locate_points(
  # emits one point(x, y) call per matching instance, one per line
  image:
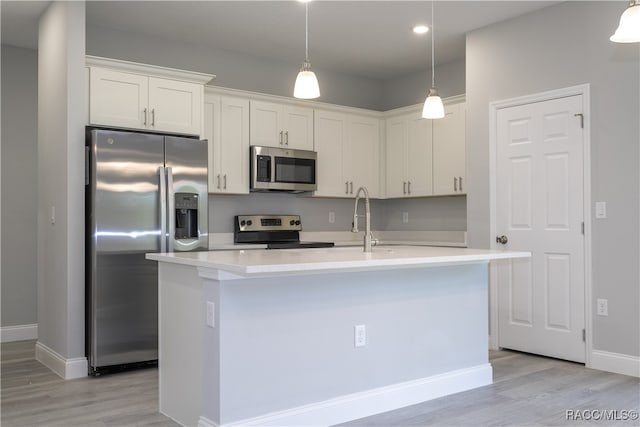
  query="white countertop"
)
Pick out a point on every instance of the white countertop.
point(257, 263)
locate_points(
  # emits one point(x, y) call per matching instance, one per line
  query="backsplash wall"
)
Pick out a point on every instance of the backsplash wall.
point(428, 214)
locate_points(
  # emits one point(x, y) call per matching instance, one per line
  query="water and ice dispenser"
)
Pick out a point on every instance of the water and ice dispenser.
point(186, 205)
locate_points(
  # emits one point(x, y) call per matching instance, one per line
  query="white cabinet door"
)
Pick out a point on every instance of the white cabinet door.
point(175, 106)
point(419, 156)
point(449, 136)
point(118, 99)
point(211, 134)
point(330, 135)
point(227, 129)
point(266, 124)
point(279, 125)
point(362, 154)
point(396, 157)
point(298, 127)
point(234, 144)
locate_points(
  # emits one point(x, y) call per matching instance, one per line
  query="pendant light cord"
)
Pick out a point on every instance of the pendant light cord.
point(433, 55)
point(306, 32)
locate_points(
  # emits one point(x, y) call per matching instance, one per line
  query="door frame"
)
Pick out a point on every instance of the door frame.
point(494, 107)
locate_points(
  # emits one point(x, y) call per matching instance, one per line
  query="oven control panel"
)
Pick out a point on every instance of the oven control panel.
point(245, 223)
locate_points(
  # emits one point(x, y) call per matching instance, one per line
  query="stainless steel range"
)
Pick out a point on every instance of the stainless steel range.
point(277, 231)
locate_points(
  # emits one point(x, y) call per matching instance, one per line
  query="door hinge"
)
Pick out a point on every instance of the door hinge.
point(584, 335)
point(581, 119)
point(583, 227)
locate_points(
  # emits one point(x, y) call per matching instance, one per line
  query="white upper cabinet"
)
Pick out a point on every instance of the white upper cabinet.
point(118, 99)
point(348, 154)
point(449, 137)
point(175, 106)
point(136, 96)
point(409, 155)
point(426, 157)
point(275, 124)
point(362, 155)
point(226, 126)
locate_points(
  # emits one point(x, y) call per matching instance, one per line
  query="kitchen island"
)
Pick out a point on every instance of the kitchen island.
point(319, 336)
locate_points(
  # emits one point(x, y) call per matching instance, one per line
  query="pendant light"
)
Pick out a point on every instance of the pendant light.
point(629, 29)
point(306, 86)
point(433, 108)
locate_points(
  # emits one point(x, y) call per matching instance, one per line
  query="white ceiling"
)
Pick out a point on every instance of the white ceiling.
point(365, 38)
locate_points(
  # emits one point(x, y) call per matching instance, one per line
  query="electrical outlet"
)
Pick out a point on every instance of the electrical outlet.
point(602, 307)
point(211, 310)
point(405, 217)
point(332, 217)
point(359, 335)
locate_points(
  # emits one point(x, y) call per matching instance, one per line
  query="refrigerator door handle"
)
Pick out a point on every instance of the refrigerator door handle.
point(171, 210)
point(163, 209)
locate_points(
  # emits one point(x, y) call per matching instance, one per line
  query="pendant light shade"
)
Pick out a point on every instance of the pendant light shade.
point(433, 107)
point(306, 86)
point(629, 29)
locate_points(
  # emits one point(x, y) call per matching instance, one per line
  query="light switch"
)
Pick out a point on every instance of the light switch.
point(601, 210)
point(211, 309)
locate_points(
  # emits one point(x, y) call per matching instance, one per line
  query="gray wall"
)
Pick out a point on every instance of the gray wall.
point(560, 46)
point(413, 89)
point(61, 121)
point(19, 185)
point(232, 70)
point(429, 214)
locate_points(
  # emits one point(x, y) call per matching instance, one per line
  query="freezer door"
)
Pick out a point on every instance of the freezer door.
point(186, 165)
point(123, 219)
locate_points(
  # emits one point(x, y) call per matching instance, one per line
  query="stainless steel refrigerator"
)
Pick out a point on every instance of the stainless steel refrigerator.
point(144, 193)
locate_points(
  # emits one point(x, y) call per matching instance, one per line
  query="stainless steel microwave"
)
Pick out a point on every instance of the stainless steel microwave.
point(282, 169)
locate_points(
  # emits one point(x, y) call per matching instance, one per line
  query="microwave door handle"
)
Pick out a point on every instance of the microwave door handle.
point(162, 207)
point(171, 209)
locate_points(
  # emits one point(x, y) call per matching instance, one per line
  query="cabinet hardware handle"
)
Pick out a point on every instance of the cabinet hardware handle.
point(460, 181)
point(145, 116)
point(404, 187)
point(351, 184)
point(218, 181)
point(153, 117)
point(286, 137)
point(409, 187)
point(281, 137)
point(502, 240)
point(455, 183)
point(346, 187)
point(225, 181)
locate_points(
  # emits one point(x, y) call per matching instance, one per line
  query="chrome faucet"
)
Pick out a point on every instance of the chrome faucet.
point(354, 229)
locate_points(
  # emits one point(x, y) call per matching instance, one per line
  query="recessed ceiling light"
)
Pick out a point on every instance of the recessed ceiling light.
point(304, 1)
point(420, 29)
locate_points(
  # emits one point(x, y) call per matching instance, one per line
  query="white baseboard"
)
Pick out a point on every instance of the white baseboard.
point(68, 369)
point(19, 333)
point(615, 362)
point(363, 404)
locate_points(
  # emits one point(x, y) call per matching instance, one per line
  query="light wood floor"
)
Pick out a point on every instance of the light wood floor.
point(527, 390)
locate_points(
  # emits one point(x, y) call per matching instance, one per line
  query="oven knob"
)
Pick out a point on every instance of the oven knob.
point(298, 222)
point(249, 222)
point(243, 223)
point(292, 222)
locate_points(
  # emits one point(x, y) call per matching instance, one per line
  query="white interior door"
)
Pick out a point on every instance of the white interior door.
point(539, 208)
